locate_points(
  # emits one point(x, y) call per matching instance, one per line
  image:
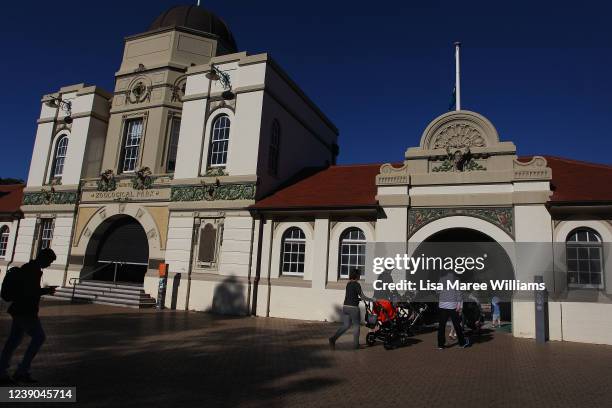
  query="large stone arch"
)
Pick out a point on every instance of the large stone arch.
point(155, 233)
point(463, 241)
point(465, 222)
point(118, 250)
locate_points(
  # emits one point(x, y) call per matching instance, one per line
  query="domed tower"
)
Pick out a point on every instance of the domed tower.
point(150, 85)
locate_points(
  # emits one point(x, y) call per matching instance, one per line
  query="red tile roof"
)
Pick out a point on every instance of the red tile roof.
point(578, 181)
point(10, 198)
point(333, 187)
point(354, 186)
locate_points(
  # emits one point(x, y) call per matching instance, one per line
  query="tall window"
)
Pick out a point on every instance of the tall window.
point(46, 233)
point(61, 147)
point(131, 144)
point(175, 127)
point(219, 141)
point(293, 252)
point(209, 240)
point(4, 237)
point(274, 149)
point(352, 251)
point(584, 258)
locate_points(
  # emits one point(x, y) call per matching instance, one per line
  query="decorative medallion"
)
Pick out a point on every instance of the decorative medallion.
point(213, 192)
point(139, 92)
point(458, 136)
point(178, 90)
point(107, 181)
point(503, 217)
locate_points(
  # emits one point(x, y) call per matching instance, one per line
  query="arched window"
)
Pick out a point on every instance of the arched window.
point(352, 251)
point(4, 237)
point(274, 150)
point(61, 147)
point(219, 141)
point(584, 258)
point(293, 252)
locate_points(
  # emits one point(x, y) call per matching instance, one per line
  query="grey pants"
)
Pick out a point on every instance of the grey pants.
point(350, 317)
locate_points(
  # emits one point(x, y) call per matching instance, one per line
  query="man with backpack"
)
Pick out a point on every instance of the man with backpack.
point(21, 286)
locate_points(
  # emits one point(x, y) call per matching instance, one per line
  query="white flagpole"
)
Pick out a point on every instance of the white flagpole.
point(457, 77)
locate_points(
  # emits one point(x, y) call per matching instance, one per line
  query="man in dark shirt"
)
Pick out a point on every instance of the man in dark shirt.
point(24, 310)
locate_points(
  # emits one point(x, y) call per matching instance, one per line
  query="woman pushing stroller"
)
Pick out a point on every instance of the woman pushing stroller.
point(351, 315)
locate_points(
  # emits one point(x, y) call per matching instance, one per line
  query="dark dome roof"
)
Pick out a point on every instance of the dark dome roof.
point(196, 18)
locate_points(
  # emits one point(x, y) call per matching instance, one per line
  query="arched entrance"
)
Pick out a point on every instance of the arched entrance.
point(118, 250)
point(469, 243)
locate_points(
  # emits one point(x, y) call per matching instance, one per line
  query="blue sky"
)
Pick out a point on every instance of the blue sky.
point(541, 71)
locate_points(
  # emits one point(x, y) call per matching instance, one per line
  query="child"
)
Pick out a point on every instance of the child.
point(495, 311)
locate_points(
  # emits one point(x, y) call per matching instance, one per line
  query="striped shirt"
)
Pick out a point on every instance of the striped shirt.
point(449, 298)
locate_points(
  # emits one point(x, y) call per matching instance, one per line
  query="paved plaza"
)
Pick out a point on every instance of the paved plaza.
point(119, 357)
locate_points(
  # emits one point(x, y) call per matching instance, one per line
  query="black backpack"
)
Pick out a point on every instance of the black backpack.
point(11, 285)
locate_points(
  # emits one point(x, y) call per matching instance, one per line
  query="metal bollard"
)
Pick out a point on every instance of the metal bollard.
point(163, 284)
point(541, 312)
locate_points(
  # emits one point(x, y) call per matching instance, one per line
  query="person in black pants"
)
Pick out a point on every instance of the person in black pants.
point(24, 311)
point(350, 310)
point(450, 305)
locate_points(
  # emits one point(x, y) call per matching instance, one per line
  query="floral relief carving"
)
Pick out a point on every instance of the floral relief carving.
point(142, 179)
point(458, 160)
point(458, 136)
point(215, 191)
point(503, 217)
point(107, 181)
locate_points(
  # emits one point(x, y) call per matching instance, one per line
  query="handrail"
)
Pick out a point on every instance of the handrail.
point(73, 281)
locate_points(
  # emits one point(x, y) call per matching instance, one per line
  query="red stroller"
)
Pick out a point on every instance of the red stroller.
point(383, 317)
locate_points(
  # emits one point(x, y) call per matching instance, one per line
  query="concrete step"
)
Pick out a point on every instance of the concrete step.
point(67, 291)
point(118, 285)
point(107, 293)
point(108, 300)
point(107, 289)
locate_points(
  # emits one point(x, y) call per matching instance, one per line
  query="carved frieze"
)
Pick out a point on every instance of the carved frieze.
point(48, 197)
point(213, 192)
point(503, 217)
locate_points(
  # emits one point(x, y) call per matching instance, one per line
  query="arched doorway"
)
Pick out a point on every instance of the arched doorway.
point(468, 243)
point(118, 250)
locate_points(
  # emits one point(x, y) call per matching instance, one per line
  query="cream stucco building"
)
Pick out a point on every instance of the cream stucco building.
point(214, 162)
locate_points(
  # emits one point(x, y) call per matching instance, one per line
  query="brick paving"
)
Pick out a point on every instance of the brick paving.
point(120, 357)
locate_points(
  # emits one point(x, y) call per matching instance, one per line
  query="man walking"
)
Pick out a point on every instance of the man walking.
point(450, 304)
point(24, 311)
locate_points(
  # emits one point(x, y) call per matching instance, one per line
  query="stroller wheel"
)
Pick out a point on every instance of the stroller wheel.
point(370, 339)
